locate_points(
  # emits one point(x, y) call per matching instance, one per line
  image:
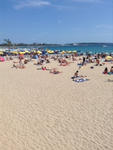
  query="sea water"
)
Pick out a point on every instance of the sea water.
point(93, 49)
point(84, 49)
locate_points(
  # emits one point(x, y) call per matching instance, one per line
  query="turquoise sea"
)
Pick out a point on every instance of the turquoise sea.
point(93, 49)
point(83, 49)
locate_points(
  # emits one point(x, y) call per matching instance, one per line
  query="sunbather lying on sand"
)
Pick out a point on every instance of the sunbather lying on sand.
point(44, 68)
point(64, 62)
point(54, 71)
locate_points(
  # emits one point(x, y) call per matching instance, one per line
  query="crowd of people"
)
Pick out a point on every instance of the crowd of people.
point(63, 60)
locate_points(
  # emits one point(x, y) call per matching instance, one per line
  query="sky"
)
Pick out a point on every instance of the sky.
point(56, 21)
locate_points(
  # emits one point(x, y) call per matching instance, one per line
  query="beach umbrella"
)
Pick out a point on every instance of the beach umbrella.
point(63, 52)
point(69, 52)
point(50, 52)
point(39, 52)
point(26, 51)
point(22, 53)
point(1, 53)
point(74, 51)
point(108, 58)
point(34, 51)
point(14, 52)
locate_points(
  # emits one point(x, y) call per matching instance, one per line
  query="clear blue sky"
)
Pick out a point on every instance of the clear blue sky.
point(56, 21)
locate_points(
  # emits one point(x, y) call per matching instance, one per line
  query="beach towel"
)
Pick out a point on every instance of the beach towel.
point(81, 80)
point(110, 73)
point(79, 64)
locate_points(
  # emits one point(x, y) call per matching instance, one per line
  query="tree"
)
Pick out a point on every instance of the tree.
point(8, 43)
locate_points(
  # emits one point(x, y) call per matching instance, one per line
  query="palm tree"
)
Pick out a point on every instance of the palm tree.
point(8, 43)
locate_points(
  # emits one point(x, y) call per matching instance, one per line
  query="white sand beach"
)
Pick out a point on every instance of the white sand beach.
point(43, 111)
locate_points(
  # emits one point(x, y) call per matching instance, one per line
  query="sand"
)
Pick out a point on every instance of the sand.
point(42, 111)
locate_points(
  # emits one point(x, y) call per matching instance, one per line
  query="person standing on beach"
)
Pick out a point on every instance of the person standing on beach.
point(21, 57)
point(84, 59)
